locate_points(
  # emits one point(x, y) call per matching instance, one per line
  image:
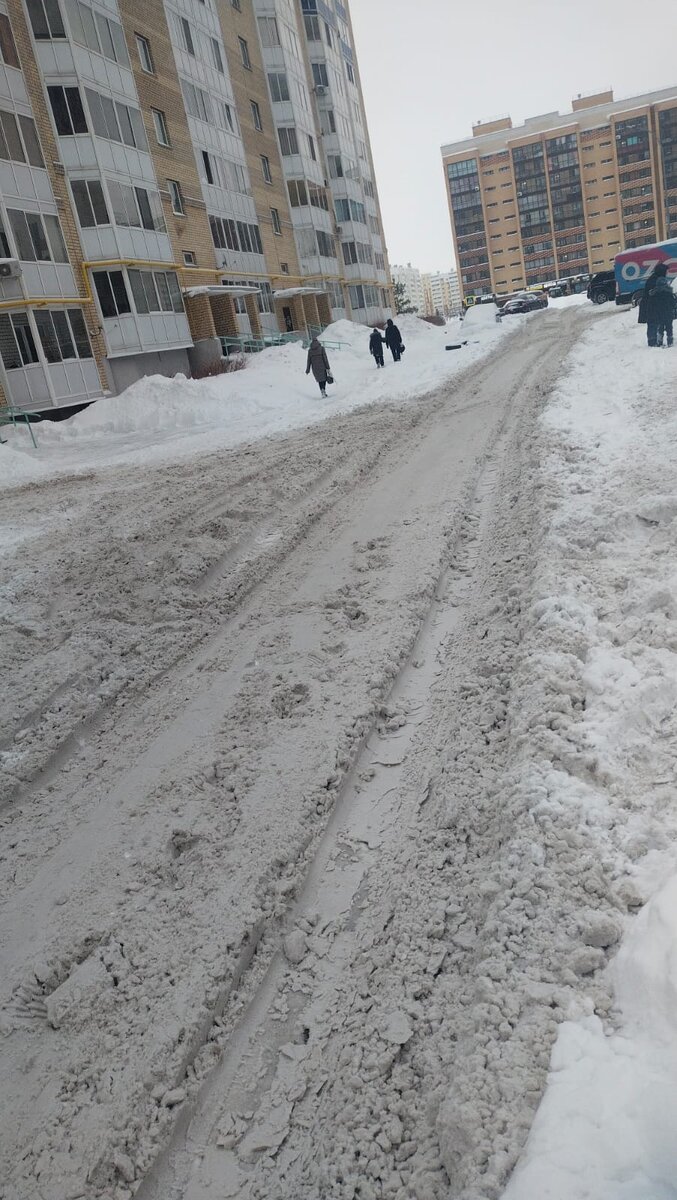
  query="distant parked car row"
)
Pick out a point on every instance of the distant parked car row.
point(525, 302)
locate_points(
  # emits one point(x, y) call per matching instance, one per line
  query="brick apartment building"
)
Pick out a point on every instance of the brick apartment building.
point(560, 195)
point(173, 172)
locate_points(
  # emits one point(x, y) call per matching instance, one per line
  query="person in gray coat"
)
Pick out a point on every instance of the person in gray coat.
point(318, 363)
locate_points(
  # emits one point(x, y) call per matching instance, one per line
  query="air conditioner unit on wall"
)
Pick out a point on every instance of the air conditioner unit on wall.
point(320, 89)
point(10, 268)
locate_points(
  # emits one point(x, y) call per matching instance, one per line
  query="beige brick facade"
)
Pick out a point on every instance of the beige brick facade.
point(560, 196)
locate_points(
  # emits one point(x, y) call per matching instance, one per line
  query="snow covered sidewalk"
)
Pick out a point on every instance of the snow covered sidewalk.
point(161, 420)
point(605, 640)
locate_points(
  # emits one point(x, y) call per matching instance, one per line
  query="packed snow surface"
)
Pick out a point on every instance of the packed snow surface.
point(339, 844)
point(606, 1127)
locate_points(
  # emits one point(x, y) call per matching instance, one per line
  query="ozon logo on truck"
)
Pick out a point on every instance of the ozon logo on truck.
point(633, 267)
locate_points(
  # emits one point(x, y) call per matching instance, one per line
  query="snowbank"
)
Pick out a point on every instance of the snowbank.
point(605, 1129)
point(160, 419)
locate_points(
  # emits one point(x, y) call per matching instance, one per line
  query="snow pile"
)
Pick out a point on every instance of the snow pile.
point(606, 634)
point(480, 317)
point(160, 419)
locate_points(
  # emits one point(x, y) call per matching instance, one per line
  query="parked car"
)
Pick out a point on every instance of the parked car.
point(557, 290)
point(521, 304)
point(541, 298)
point(602, 287)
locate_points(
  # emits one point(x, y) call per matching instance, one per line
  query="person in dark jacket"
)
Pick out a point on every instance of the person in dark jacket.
point(318, 363)
point(657, 306)
point(376, 342)
point(393, 340)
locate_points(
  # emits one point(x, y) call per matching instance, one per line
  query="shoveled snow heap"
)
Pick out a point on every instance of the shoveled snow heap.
point(161, 419)
point(607, 619)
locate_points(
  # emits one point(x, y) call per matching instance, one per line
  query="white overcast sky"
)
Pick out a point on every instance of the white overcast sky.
point(430, 68)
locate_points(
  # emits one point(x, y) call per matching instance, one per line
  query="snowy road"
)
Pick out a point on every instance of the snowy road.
point(257, 793)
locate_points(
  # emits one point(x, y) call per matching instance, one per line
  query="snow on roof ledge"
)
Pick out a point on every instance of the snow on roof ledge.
point(287, 293)
point(221, 289)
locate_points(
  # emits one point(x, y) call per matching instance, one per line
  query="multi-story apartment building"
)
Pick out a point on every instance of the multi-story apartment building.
point(172, 173)
point(412, 281)
point(441, 293)
point(560, 195)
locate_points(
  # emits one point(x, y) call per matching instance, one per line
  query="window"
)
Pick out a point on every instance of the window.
point(236, 4)
point(63, 334)
point(89, 202)
point(244, 52)
point(312, 24)
point(231, 235)
point(265, 167)
point(19, 139)
point(187, 36)
point(216, 53)
point(256, 115)
point(311, 147)
point(275, 216)
point(320, 76)
point(69, 116)
point(350, 73)
point(335, 166)
point(206, 162)
point(37, 236)
point(224, 233)
point(284, 267)
point(279, 88)
point(45, 19)
point(177, 197)
point(189, 259)
point(101, 34)
point(145, 56)
point(8, 52)
point(298, 195)
point(112, 293)
point(269, 32)
point(288, 140)
point(161, 131)
point(155, 291)
point(325, 244)
point(16, 341)
point(198, 102)
point(116, 121)
point(230, 123)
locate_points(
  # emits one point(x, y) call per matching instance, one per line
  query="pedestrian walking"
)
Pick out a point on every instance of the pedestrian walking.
point(318, 363)
point(393, 340)
point(376, 342)
point(657, 307)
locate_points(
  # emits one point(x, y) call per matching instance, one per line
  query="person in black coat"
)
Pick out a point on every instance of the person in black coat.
point(657, 307)
point(376, 346)
point(393, 340)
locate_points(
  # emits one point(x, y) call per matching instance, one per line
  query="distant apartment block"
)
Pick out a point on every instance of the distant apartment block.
point(560, 195)
point(442, 293)
point(410, 279)
point(174, 172)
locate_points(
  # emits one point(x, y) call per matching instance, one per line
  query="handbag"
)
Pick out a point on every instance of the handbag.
point(330, 377)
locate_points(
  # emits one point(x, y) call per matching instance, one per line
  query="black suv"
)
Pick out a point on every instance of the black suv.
point(602, 287)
